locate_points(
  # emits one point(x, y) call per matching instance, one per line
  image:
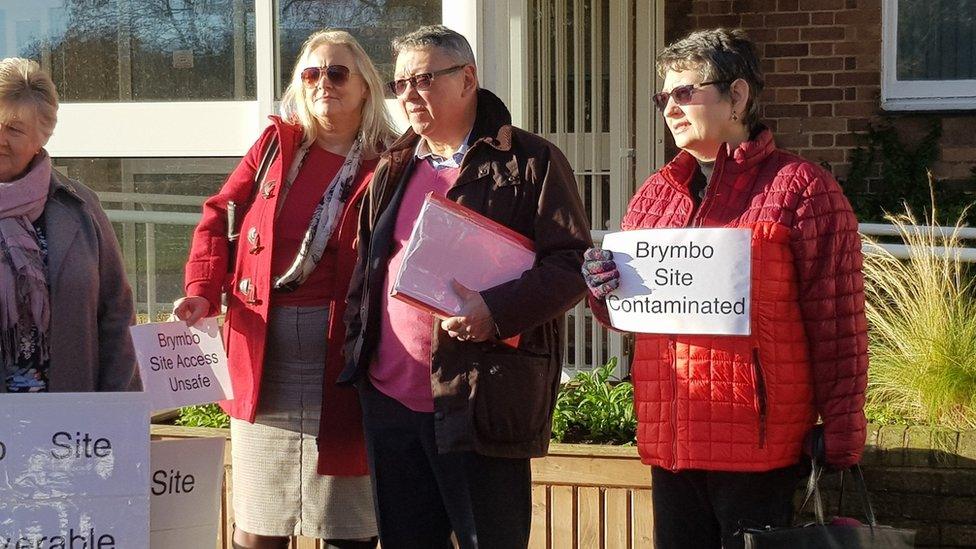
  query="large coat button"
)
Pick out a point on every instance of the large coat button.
point(254, 241)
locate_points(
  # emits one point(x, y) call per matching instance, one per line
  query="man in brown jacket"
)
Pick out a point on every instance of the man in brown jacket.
point(452, 415)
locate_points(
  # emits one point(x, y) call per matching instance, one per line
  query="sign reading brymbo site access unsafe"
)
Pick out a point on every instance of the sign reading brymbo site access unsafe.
point(181, 365)
point(681, 281)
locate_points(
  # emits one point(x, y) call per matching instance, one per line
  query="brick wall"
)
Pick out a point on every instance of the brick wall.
point(822, 61)
point(919, 479)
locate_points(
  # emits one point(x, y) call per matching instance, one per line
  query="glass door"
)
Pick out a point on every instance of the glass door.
point(160, 98)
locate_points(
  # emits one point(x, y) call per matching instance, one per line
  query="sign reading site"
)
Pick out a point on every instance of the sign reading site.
point(681, 281)
point(181, 365)
point(185, 486)
point(74, 471)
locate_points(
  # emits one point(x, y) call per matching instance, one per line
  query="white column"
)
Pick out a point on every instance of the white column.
point(497, 31)
point(264, 58)
point(463, 16)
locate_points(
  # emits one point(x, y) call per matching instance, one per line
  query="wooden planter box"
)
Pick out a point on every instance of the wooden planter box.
point(589, 497)
point(586, 496)
point(583, 497)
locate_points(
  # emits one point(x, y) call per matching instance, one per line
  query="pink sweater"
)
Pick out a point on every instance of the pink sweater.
point(401, 369)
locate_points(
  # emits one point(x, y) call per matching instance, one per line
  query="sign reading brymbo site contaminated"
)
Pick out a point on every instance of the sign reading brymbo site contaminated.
point(74, 471)
point(181, 365)
point(681, 281)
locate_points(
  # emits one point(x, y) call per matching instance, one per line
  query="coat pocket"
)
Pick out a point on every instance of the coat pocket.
point(512, 397)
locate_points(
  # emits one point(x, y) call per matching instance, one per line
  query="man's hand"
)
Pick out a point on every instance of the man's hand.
point(474, 322)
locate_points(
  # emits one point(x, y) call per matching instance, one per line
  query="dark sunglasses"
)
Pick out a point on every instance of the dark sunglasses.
point(419, 81)
point(337, 75)
point(682, 94)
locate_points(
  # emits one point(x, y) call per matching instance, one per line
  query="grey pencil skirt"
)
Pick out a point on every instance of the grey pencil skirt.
point(277, 491)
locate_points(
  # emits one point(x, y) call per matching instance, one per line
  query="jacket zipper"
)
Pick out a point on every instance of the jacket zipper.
point(760, 395)
point(697, 219)
point(674, 404)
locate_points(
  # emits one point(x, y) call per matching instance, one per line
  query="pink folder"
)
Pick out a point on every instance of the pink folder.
point(449, 242)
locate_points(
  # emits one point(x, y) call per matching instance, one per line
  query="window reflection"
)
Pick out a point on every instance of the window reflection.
point(173, 190)
point(937, 40)
point(136, 50)
point(373, 22)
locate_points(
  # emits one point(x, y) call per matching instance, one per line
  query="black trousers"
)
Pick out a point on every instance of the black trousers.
point(704, 509)
point(422, 496)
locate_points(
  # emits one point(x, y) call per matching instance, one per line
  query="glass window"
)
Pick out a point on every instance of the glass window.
point(929, 55)
point(937, 40)
point(373, 23)
point(154, 204)
point(137, 50)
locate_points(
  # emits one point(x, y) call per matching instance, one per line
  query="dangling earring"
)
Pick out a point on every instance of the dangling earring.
point(734, 116)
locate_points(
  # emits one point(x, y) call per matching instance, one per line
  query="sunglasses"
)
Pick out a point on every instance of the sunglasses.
point(681, 94)
point(419, 81)
point(336, 74)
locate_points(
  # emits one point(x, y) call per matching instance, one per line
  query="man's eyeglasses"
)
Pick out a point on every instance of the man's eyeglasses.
point(337, 75)
point(682, 94)
point(419, 81)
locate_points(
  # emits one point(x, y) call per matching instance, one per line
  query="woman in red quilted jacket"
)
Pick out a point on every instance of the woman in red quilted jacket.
point(722, 419)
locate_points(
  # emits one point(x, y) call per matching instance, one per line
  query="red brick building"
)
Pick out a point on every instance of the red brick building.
point(823, 62)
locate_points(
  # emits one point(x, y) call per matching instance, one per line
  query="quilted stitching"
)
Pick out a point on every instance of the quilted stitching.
point(696, 396)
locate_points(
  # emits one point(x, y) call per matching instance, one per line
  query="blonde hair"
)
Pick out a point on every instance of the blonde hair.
point(375, 125)
point(22, 82)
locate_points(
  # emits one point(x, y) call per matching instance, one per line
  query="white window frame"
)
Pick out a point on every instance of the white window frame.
point(900, 95)
point(201, 128)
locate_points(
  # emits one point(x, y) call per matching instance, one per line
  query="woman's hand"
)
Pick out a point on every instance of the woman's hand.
point(600, 272)
point(191, 309)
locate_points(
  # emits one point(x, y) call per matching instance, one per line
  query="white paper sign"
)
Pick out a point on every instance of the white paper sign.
point(682, 281)
point(181, 366)
point(74, 470)
point(185, 485)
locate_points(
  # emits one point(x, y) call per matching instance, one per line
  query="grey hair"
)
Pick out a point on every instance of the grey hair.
point(450, 42)
point(719, 54)
point(22, 82)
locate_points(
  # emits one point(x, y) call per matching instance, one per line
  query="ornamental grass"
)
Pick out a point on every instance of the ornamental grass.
point(921, 314)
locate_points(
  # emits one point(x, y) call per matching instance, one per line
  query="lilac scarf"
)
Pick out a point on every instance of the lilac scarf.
point(24, 300)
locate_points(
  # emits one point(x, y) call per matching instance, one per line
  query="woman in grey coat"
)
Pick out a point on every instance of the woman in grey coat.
point(65, 305)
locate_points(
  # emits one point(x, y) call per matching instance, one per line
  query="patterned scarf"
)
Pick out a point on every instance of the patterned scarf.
point(24, 300)
point(324, 219)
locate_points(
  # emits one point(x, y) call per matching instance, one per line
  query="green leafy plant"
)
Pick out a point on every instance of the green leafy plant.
point(594, 408)
point(898, 173)
point(922, 317)
point(206, 415)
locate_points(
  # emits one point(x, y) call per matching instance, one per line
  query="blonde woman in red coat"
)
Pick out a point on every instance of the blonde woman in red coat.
point(722, 419)
point(298, 457)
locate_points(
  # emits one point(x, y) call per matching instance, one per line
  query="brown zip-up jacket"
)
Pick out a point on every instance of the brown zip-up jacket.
point(488, 397)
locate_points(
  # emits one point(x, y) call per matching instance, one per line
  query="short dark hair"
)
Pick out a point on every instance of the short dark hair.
point(718, 54)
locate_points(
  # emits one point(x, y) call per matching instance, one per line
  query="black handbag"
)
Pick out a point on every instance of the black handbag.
point(821, 535)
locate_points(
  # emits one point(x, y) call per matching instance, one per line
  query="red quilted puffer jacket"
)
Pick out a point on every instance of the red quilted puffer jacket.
point(731, 403)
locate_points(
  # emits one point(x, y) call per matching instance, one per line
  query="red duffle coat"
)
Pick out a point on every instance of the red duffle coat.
point(341, 446)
